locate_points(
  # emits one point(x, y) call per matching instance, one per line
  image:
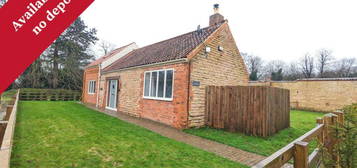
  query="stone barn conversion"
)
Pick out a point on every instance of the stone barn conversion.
point(166, 81)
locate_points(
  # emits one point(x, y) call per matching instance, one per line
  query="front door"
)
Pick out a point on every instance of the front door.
point(112, 94)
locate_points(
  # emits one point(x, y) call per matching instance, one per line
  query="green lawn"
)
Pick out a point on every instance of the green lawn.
point(66, 134)
point(7, 96)
point(301, 122)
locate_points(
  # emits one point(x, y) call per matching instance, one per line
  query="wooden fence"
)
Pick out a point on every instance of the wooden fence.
point(298, 149)
point(253, 110)
point(50, 95)
point(8, 133)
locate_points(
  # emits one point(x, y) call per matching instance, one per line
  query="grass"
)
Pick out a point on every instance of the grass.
point(301, 122)
point(67, 134)
point(7, 95)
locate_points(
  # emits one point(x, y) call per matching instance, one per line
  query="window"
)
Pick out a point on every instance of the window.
point(158, 84)
point(91, 88)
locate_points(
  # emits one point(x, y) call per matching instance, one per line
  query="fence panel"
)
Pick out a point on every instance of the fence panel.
point(253, 110)
point(50, 95)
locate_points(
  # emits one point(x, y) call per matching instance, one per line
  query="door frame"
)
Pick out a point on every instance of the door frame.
point(108, 94)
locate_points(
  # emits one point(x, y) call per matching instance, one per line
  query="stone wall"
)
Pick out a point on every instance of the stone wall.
point(318, 95)
point(217, 68)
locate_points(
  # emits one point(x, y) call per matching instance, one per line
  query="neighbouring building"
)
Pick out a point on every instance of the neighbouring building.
point(166, 81)
point(318, 94)
point(92, 72)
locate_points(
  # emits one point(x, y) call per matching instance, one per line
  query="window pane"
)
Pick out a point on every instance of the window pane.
point(161, 84)
point(93, 86)
point(147, 84)
point(153, 84)
point(169, 76)
point(90, 89)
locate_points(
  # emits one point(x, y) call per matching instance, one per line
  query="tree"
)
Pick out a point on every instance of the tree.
point(61, 65)
point(69, 54)
point(254, 65)
point(346, 147)
point(307, 65)
point(344, 67)
point(354, 71)
point(34, 76)
point(324, 58)
point(106, 47)
point(293, 72)
point(278, 75)
point(275, 67)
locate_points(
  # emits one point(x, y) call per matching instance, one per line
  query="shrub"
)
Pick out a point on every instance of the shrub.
point(346, 147)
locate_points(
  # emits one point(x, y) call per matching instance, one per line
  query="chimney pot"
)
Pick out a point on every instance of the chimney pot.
point(216, 18)
point(216, 8)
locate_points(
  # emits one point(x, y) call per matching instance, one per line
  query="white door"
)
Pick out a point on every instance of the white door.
point(112, 94)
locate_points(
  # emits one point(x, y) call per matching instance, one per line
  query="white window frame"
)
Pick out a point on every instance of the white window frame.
point(157, 85)
point(116, 95)
point(92, 90)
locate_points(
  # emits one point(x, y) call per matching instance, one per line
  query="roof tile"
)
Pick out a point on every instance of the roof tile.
point(167, 50)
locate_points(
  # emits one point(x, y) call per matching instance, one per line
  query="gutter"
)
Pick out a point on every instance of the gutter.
point(188, 93)
point(181, 60)
point(98, 87)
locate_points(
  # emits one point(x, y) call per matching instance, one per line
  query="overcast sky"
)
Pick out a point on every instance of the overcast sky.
point(273, 29)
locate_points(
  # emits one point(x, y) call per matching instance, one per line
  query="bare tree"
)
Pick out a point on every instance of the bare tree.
point(344, 67)
point(274, 67)
point(324, 58)
point(307, 65)
point(354, 71)
point(106, 47)
point(254, 64)
point(292, 72)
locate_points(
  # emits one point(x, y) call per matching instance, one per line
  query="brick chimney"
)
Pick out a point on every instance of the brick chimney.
point(216, 18)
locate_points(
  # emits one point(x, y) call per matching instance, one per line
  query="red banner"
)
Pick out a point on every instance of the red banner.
point(27, 28)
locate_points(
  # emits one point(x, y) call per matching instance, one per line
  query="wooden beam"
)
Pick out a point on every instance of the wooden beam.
point(283, 155)
point(315, 158)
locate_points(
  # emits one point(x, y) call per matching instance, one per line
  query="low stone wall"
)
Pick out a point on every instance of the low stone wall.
point(7, 137)
point(318, 94)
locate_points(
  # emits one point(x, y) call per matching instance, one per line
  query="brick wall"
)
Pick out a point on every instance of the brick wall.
point(90, 74)
point(215, 68)
point(318, 95)
point(131, 101)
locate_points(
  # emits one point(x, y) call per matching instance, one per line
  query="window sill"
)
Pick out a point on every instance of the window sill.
point(91, 93)
point(160, 99)
point(113, 109)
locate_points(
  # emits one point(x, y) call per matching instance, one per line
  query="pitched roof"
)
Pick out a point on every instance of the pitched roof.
point(167, 50)
point(105, 57)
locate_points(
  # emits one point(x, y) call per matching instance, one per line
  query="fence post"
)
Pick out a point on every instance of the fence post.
point(301, 154)
point(334, 134)
point(320, 137)
point(330, 121)
point(340, 117)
